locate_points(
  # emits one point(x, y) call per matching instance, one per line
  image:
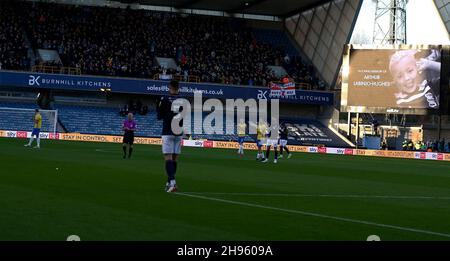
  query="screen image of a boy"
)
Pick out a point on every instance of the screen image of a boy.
point(414, 88)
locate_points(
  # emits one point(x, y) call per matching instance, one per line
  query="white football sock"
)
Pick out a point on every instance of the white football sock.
point(38, 142)
point(31, 140)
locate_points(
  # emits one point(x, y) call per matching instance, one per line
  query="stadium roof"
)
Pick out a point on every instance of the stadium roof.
point(279, 8)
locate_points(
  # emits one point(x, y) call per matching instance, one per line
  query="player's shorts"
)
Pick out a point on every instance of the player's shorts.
point(283, 143)
point(36, 132)
point(128, 137)
point(171, 144)
point(271, 142)
point(241, 139)
point(260, 143)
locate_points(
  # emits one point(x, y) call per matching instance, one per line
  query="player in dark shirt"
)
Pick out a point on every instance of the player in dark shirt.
point(169, 108)
point(284, 132)
point(272, 140)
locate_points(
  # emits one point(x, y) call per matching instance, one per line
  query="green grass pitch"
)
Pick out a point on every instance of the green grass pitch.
point(97, 195)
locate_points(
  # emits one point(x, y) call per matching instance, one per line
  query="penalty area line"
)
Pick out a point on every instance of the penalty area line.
point(312, 214)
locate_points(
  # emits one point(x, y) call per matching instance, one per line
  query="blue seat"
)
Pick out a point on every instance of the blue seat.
point(22, 120)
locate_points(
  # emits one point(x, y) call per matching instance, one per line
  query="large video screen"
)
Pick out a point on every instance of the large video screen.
point(393, 79)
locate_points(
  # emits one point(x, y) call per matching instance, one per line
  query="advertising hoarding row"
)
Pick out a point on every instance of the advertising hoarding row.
point(233, 145)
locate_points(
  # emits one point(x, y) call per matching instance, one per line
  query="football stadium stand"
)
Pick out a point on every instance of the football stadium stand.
point(125, 42)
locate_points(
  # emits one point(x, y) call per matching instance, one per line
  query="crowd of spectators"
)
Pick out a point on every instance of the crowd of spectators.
point(429, 146)
point(99, 41)
point(124, 42)
point(13, 47)
point(439, 146)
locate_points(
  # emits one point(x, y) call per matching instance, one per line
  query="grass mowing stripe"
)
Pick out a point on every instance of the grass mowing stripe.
point(317, 195)
point(312, 214)
point(96, 193)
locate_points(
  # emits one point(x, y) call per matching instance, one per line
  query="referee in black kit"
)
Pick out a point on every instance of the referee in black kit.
point(129, 127)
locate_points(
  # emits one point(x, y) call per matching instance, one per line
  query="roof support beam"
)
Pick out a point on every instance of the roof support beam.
point(186, 4)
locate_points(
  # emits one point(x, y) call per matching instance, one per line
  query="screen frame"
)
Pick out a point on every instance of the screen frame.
point(385, 110)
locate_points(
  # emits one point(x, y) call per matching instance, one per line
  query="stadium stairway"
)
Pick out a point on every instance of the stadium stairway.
point(279, 39)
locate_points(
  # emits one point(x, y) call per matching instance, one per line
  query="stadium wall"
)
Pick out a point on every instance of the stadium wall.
point(234, 145)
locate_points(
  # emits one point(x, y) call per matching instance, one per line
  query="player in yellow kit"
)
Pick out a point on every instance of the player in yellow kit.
point(36, 130)
point(261, 131)
point(241, 129)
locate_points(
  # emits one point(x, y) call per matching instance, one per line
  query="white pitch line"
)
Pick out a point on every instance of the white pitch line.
point(316, 195)
point(312, 214)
